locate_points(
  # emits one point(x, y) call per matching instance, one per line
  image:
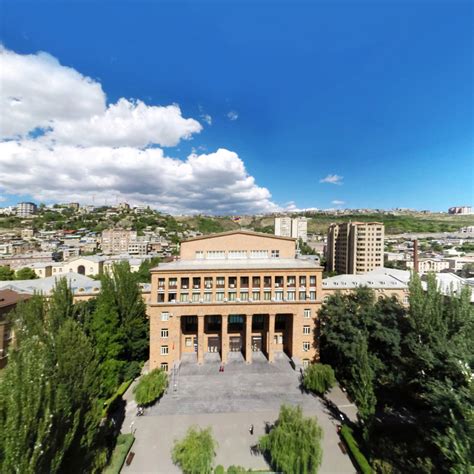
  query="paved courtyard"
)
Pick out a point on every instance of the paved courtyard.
point(229, 402)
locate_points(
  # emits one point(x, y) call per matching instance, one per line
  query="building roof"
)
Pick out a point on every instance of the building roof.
point(79, 284)
point(238, 264)
point(240, 231)
point(9, 298)
point(342, 282)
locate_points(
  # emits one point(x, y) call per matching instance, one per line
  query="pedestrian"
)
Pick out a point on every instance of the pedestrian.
point(251, 429)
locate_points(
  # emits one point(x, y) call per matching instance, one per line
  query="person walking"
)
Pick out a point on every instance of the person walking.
point(251, 429)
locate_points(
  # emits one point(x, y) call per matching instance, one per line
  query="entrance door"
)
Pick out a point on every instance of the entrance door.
point(235, 343)
point(213, 344)
point(256, 343)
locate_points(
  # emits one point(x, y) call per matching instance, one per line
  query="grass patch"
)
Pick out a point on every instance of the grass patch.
point(356, 454)
point(119, 454)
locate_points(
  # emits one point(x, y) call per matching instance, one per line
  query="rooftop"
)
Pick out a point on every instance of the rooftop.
point(369, 280)
point(239, 264)
point(240, 231)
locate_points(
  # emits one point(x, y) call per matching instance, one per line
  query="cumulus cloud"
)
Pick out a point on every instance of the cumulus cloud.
point(127, 123)
point(332, 179)
point(207, 183)
point(207, 118)
point(232, 115)
point(37, 90)
point(336, 202)
point(89, 149)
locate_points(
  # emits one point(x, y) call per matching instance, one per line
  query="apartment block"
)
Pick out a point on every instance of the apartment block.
point(238, 295)
point(116, 241)
point(355, 247)
point(25, 209)
point(296, 228)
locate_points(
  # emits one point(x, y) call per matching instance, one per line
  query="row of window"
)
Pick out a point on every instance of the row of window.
point(236, 254)
point(165, 315)
point(233, 281)
point(243, 296)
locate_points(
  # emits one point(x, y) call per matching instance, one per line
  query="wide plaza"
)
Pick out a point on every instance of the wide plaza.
point(229, 402)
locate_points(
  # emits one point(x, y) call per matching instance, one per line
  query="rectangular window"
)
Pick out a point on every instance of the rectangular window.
point(165, 316)
point(291, 281)
point(306, 346)
point(220, 282)
point(256, 295)
point(312, 280)
point(161, 282)
point(244, 296)
point(219, 296)
point(164, 366)
point(255, 282)
point(312, 295)
point(164, 350)
point(184, 297)
point(305, 363)
point(164, 333)
point(208, 282)
point(199, 254)
point(267, 295)
point(171, 297)
point(307, 313)
point(161, 298)
point(291, 296)
point(279, 295)
point(196, 297)
point(302, 281)
point(207, 297)
point(237, 254)
point(215, 254)
point(188, 341)
point(275, 254)
point(302, 295)
point(173, 283)
point(232, 295)
point(306, 330)
point(259, 254)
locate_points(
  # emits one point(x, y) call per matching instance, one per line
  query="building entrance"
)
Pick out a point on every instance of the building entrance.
point(213, 344)
point(256, 343)
point(235, 343)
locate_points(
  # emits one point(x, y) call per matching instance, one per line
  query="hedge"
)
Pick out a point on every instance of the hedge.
point(356, 454)
point(120, 391)
point(119, 454)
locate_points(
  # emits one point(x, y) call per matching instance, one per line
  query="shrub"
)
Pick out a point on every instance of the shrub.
point(353, 447)
point(236, 470)
point(150, 387)
point(124, 443)
point(195, 453)
point(294, 444)
point(219, 469)
point(319, 378)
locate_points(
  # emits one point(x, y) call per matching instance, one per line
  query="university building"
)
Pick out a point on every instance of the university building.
point(235, 295)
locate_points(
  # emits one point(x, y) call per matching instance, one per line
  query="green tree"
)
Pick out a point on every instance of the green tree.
point(25, 273)
point(143, 273)
point(195, 453)
point(6, 273)
point(150, 387)
point(319, 378)
point(294, 443)
point(49, 395)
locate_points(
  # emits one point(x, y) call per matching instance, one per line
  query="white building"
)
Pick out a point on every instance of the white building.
point(426, 265)
point(292, 227)
point(25, 209)
point(460, 210)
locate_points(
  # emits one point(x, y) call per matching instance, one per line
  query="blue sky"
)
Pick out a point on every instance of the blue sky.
point(378, 93)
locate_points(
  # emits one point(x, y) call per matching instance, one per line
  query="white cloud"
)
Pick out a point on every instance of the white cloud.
point(207, 183)
point(127, 123)
point(89, 148)
point(36, 90)
point(232, 115)
point(207, 118)
point(336, 202)
point(332, 179)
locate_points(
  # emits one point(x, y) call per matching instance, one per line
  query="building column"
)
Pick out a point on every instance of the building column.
point(248, 338)
point(200, 339)
point(271, 337)
point(224, 339)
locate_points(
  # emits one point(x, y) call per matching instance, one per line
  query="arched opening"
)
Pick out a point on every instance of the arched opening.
point(81, 269)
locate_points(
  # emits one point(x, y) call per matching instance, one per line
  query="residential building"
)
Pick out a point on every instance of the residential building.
point(25, 209)
point(296, 227)
point(27, 234)
point(116, 241)
point(89, 266)
point(426, 265)
point(8, 300)
point(235, 295)
point(460, 210)
point(355, 247)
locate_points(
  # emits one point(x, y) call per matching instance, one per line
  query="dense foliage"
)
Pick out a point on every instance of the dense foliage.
point(293, 445)
point(25, 273)
point(410, 373)
point(195, 453)
point(150, 387)
point(6, 273)
point(319, 378)
point(49, 394)
point(356, 454)
point(118, 326)
point(143, 274)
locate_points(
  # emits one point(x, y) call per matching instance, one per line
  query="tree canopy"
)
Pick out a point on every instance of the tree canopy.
point(150, 387)
point(319, 378)
point(293, 445)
